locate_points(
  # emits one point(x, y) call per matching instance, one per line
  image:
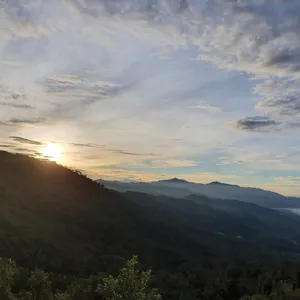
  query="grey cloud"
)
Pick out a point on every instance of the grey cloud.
point(84, 145)
point(288, 58)
point(269, 23)
point(6, 146)
point(5, 124)
point(151, 7)
point(281, 97)
point(78, 90)
point(257, 123)
point(263, 124)
point(288, 105)
point(132, 153)
point(26, 121)
point(15, 105)
point(261, 37)
point(265, 41)
point(16, 96)
point(294, 179)
point(25, 141)
point(295, 125)
point(24, 150)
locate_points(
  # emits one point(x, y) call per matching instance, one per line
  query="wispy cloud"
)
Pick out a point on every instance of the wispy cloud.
point(25, 141)
point(122, 152)
point(207, 107)
point(186, 69)
point(287, 185)
point(24, 121)
point(22, 106)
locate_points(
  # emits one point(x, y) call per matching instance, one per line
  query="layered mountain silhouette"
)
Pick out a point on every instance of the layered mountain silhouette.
point(56, 218)
point(180, 188)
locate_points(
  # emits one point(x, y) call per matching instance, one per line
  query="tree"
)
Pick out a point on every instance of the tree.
point(7, 273)
point(62, 296)
point(255, 297)
point(24, 295)
point(281, 290)
point(130, 284)
point(40, 285)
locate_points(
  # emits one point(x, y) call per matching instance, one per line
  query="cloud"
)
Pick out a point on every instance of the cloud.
point(264, 154)
point(25, 141)
point(288, 185)
point(61, 63)
point(24, 121)
point(24, 150)
point(289, 179)
point(260, 38)
point(9, 146)
point(257, 123)
point(4, 124)
point(171, 163)
point(22, 106)
point(281, 97)
point(84, 145)
point(264, 124)
point(122, 152)
point(203, 106)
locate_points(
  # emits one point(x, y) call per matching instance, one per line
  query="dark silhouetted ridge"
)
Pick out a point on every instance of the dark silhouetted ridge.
point(56, 218)
point(174, 180)
point(221, 183)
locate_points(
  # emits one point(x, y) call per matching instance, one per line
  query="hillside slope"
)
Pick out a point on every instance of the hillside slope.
point(53, 217)
point(229, 228)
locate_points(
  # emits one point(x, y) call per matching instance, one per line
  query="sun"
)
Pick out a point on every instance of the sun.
point(52, 152)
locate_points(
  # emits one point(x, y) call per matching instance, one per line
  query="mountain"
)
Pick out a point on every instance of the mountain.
point(173, 180)
point(228, 228)
point(221, 183)
point(180, 188)
point(60, 220)
point(56, 218)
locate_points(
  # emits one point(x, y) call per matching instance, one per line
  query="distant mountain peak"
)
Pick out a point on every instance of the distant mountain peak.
point(220, 183)
point(175, 180)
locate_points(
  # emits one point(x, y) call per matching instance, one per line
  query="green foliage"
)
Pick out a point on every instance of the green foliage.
point(62, 296)
point(7, 272)
point(255, 297)
point(41, 285)
point(130, 284)
point(225, 282)
point(24, 295)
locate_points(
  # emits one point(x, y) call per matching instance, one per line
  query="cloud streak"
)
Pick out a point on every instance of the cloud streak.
point(151, 84)
point(25, 141)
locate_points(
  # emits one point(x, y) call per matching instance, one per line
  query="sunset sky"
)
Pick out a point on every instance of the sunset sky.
point(151, 89)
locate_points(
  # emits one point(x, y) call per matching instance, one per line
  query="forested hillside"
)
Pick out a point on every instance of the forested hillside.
point(54, 217)
point(77, 231)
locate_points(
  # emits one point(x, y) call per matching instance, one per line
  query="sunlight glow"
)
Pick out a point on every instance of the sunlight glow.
point(52, 152)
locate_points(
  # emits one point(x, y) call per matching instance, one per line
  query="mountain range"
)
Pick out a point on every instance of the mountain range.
point(55, 218)
point(179, 188)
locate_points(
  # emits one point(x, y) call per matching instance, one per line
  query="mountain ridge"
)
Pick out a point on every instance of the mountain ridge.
point(180, 188)
point(54, 218)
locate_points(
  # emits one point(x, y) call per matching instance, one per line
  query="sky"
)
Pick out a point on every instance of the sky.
point(202, 90)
